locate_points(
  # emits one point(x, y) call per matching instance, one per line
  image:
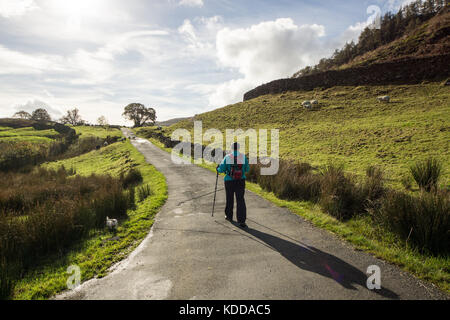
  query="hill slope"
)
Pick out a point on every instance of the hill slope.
point(351, 127)
point(430, 38)
point(409, 34)
point(170, 122)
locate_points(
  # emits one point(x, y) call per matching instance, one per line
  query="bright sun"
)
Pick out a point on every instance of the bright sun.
point(79, 8)
point(78, 13)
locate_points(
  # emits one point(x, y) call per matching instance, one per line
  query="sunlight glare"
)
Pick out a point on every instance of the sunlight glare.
point(79, 8)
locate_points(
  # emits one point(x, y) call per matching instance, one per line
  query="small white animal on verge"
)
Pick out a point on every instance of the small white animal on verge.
point(384, 99)
point(111, 223)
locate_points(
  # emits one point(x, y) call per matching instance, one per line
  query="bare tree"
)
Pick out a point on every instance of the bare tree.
point(72, 117)
point(139, 114)
point(22, 115)
point(102, 121)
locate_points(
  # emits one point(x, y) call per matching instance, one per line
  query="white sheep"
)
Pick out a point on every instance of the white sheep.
point(111, 223)
point(307, 104)
point(384, 99)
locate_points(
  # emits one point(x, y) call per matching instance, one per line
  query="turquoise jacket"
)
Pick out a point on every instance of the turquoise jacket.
point(225, 166)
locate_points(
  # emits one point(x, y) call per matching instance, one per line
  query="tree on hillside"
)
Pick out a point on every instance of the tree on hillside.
point(139, 114)
point(72, 117)
point(22, 115)
point(40, 115)
point(392, 27)
point(102, 121)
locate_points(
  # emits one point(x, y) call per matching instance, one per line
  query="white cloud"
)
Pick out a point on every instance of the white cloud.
point(200, 34)
point(191, 3)
point(188, 29)
point(231, 91)
point(264, 52)
point(14, 62)
point(351, 34)
point(211, 23)
point(34, 104)
point(394, 5)
point(12, 8)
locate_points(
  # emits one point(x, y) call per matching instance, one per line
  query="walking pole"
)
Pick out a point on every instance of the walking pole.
point(215, 192)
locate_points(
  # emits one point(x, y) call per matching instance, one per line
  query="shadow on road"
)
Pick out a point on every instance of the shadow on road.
point(198, 197)
point(313, 260)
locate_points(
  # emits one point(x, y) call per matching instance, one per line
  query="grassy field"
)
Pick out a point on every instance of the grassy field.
point(351, 127)
point(100, 132)
point(28, 134)
point(24, 145)
point(101, 249)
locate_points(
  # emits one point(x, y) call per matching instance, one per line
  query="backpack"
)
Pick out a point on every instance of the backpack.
point(236, 172)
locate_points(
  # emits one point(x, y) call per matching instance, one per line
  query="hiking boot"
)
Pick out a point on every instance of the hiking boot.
point(243, 225)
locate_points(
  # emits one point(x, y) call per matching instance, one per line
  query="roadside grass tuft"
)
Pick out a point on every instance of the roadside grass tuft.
point(131, 179)
point(427, 173)
point(143, 192)
point(421, 221)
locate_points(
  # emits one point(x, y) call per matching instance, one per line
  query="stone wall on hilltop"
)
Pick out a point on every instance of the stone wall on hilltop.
point(410, 71)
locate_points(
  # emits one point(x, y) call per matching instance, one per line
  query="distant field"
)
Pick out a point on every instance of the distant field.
point(28, 134)
point(21, 131)
point(30, 139)
point(23, 145)
point(99, 132)
point(351, 127)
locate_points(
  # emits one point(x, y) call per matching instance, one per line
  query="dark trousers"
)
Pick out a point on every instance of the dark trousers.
point(236, 187)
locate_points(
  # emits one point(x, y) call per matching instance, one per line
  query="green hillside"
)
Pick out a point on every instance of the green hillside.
point(96, 131)
point(430, 38)
point(351, 127)
point(417, 30)
point(18, 130)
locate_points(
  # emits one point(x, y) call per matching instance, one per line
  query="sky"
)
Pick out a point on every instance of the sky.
point(181, 57)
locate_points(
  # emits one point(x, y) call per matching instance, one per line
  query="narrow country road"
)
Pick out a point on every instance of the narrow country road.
point(190, 255)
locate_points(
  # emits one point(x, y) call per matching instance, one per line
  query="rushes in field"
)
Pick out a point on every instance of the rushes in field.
point(143, 192)
point(423, 221)
point(427, 173)
point(132, 178)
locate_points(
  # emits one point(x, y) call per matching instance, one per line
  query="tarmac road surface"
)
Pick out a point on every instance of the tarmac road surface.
point(190, 255)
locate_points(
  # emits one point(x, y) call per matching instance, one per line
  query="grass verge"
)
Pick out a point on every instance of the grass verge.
point(102, 249)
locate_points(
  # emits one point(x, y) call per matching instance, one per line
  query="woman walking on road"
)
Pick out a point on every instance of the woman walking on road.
point(235, 165)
